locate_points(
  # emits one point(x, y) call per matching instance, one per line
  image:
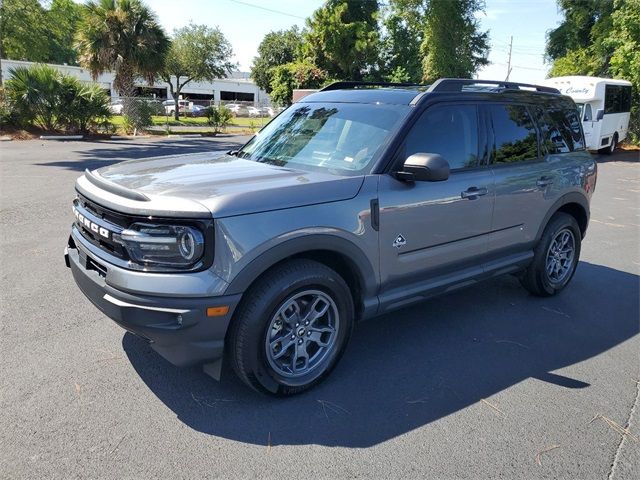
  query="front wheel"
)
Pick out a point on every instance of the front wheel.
point(614, 144)
point(555, 257)
point(292, 328)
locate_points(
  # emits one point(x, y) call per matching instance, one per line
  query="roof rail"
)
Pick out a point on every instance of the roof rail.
point(354, 85)
point(457, 84)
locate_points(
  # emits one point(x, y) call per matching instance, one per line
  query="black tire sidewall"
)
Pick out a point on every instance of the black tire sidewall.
point(270, 299)
point(561, 222)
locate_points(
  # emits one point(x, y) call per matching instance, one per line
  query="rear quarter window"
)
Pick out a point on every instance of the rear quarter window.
point(560, 129)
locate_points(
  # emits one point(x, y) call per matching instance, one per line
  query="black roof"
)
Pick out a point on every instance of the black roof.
point(411, 94)
point(393, 95)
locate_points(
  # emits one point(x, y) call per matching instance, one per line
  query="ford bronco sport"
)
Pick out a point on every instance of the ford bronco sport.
point(357, 200)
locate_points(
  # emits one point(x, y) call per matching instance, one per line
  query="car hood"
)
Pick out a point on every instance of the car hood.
point(225, 185)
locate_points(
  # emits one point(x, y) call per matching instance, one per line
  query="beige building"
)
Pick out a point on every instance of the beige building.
point(237, 87)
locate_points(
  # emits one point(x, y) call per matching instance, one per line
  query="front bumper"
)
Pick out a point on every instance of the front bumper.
point(177, 328)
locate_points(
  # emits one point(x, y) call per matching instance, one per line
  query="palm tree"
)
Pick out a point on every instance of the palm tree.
point(123, 36)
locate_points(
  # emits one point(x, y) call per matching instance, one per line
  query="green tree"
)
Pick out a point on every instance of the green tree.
point(197, 53)
point(62, 19)
point(585, 25)
point(453, 45)
point(343, 38)
point(123, 36)
point(31, 32)
point(403, 24)
point(276, 48)
point(294, 75)
point(23, 31)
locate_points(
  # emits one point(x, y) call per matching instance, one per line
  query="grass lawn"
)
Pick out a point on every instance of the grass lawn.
point(161, 121)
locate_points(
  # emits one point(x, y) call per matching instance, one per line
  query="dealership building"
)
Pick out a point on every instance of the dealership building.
point(238, 86)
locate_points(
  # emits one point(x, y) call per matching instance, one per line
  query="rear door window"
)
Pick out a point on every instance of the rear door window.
point(448, 130)
point(515, 135)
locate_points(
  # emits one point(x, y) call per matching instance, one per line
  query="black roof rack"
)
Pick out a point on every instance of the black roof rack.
point(458, 84)
point(353, 85)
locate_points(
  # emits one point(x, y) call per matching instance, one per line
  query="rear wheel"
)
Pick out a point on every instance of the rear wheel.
point(292, 328)
point(555, 257)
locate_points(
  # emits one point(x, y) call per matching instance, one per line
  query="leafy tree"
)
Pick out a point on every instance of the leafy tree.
point(585, 24)
point(400, 47)
point(62, 20)
point(276, 48)
point(31, 32)
point(452, 45)
point(295, 75)
point(23, 30)
point(123, 36)
point(197, 53)
point(343, 38)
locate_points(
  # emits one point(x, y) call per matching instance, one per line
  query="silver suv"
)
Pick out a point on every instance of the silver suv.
point(357, 200)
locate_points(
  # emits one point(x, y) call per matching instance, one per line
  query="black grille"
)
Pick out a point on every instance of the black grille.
point(113, 222)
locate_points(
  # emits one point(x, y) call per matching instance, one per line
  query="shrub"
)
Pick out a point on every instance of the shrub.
point(35, 94)
point(84, 107)
point(48, 99)
point(137, 114)
point(218, 117)
point(7, 112)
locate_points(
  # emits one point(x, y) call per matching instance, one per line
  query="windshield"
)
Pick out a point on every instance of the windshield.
point(340, 138)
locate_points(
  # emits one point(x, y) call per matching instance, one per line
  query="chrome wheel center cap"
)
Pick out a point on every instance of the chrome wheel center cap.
point(301, 332)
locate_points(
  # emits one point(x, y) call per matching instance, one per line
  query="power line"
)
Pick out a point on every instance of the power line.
point(266, 9)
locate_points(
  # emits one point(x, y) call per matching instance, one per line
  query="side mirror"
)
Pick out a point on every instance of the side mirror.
point(424, 167)
point(599, 114)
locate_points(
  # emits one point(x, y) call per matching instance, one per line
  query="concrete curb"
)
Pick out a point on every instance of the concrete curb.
point(61, 137)
point(187, 135)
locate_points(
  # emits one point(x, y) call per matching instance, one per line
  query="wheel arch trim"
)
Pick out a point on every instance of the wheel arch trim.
point(570, 198)
point(308, 243)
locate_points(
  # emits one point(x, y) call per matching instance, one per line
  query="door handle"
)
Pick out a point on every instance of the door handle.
point(544, 182)
point(473, 192)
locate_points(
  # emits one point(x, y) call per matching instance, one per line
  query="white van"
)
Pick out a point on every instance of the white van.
point(604, 105)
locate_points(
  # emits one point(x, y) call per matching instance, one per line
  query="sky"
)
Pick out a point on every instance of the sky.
point(245, 23)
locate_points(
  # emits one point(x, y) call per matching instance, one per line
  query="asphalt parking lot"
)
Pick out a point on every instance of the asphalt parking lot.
point(487, 382)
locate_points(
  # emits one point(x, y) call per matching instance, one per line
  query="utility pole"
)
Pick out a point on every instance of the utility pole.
point(509, 62)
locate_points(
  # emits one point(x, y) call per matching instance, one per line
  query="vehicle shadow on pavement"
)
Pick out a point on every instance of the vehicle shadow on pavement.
point(619, 156)
point(102, 156)
point(412, 367)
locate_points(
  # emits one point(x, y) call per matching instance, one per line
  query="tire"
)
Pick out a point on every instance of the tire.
point(536, 278)
point(275, 320)
point(614, 143)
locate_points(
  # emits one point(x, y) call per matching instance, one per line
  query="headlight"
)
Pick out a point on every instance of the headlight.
point(167, 245)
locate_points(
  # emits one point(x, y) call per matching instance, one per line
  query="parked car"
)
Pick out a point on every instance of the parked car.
point(238, 109)
point(185, 106)
point(253, 112)
point(198, 110)
point(355, 201)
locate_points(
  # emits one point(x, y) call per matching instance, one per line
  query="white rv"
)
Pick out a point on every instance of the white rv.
point(604, 105)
